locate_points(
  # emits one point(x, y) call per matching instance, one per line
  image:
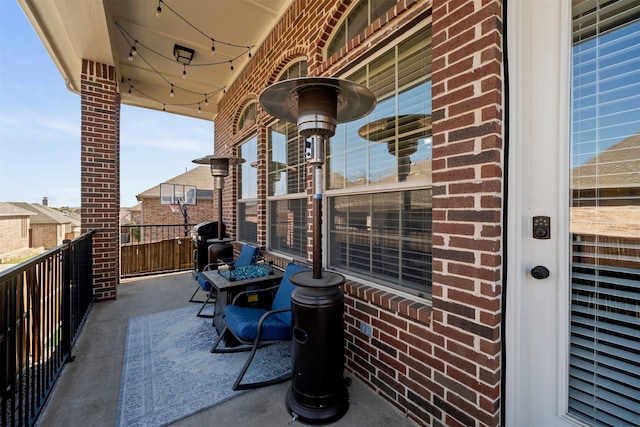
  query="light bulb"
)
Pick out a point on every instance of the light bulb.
point(213, 46)
point(130, 57)
point(158, 11)
point(206, 101)
point(134, 51)
point(184, 73)
point(171, 94)
point(199, 109)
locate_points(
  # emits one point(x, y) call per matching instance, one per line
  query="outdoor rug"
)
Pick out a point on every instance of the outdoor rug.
point(169, 374)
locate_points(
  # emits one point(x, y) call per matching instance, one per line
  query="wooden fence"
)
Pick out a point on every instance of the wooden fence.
point(161, 256)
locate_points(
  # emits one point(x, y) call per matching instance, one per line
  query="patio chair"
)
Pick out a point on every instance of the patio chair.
point(248, 255)
point(257, 327)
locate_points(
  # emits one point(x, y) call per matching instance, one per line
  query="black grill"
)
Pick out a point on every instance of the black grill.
point(201, 233)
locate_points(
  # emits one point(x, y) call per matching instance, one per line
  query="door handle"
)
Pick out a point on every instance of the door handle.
point(540, 272)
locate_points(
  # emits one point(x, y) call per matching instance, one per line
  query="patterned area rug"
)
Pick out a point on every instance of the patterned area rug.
point(169, 374)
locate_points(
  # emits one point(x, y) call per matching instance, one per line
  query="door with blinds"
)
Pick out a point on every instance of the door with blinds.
point(572, 329)
point(604, 354)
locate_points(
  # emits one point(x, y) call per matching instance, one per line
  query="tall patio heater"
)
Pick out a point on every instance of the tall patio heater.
point(318, 392)
point(219, 247)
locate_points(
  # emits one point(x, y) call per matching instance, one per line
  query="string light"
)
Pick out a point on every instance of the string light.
point(133, 43)
point(186, 21)
point(164, 104)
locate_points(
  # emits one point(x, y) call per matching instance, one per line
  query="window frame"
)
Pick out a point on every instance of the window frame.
point(244, 201)
point(342, 27)
point(396, 187)
point(271, 197)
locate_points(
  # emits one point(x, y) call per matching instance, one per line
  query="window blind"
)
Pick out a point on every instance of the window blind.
point(604, 361)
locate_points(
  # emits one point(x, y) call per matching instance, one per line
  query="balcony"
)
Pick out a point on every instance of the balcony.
point(88, 388)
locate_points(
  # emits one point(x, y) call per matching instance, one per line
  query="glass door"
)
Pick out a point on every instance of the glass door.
point(604, 355)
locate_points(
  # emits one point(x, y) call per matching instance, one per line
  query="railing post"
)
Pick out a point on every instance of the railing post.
point(67, 258)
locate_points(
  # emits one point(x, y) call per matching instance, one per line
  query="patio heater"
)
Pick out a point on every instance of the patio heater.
point(219, 247)
point(318, 392)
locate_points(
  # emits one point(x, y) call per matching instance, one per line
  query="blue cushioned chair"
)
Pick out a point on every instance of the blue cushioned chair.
point(257, 327)
point(248, 255)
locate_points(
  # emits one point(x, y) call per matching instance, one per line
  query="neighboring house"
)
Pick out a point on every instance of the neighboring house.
point(135, 214)
point(49, 227)
point(153, 212)
point(14, 227)
point(131, 215)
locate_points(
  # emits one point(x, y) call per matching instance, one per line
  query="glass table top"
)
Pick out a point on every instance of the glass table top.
point(245, 272)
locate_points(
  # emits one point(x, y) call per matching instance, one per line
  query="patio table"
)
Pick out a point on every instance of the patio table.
point(229, 282)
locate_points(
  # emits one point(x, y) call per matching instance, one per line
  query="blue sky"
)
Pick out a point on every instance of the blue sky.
point(40, 128)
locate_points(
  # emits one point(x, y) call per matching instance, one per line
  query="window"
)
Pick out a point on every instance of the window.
point(286, 179)
point(24, 228)
point(604, 359)
point(363, 13)
point(248, 117)
point(295, 70)
point(248, 192)
point(379, 174)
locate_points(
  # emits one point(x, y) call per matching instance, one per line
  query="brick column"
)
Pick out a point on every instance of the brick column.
point(467, 207)
point(100, 173)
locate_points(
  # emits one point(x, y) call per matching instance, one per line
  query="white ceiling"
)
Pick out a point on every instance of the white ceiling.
point(105, 30)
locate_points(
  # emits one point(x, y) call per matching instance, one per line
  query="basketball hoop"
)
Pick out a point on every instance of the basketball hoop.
point(178, 197)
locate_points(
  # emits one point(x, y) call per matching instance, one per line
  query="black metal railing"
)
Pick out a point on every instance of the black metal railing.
point(43, 302)
point(145, 233)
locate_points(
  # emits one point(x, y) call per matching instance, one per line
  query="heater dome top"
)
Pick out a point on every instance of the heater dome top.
point(353, 99)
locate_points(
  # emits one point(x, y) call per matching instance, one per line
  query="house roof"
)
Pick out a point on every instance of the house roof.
point(200, 177)
point(616, 167)
point(45, 215)
point(10, 209)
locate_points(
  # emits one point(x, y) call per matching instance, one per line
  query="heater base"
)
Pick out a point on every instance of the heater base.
point(317, 415)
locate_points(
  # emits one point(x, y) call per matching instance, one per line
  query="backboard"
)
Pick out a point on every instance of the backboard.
point(177, 194)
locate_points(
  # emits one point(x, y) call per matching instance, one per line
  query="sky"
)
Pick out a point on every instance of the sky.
point(40, 128)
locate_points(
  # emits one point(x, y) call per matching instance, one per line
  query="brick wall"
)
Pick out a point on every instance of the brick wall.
point(467, 207)
point(438, 362)
point(155, 213)
point(14, 233)
point(46, 235)
point(100, 173)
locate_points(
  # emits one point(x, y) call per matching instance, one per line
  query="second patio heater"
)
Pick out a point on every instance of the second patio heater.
point(219, 247)
point(318, 392)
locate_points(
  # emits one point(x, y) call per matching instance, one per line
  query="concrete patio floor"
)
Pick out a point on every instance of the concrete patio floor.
point(87, 391)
